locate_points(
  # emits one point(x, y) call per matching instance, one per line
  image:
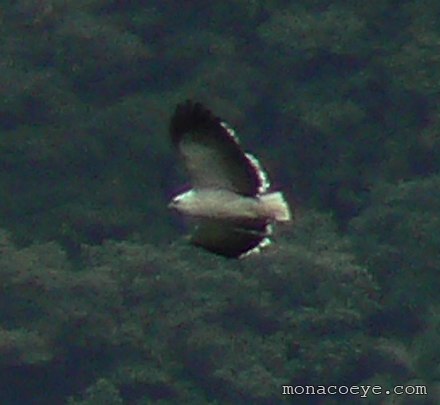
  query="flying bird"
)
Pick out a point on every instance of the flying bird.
point(229, 201)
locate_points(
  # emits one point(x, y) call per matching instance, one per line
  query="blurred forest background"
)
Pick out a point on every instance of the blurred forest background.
point(101, 299)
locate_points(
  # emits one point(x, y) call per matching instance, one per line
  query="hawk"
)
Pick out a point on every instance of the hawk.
point(229, 200)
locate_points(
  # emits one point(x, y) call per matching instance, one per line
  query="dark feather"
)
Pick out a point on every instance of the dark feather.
point(229, 239)
point(212, 154)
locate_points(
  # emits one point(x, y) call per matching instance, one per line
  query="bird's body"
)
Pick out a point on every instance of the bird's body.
point(227, 205)
point(217, 204)
point(229, 199)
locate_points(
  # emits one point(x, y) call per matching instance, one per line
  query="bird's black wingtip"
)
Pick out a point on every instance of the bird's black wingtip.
point(190, 116)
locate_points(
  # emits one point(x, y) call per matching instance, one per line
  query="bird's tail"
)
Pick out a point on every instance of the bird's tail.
point(276, 206)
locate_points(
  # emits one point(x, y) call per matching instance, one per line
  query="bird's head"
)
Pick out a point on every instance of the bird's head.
point(182, 202)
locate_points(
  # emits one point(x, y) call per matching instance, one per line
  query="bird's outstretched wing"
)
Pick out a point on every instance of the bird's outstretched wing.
point(230, 240)
point(212, 154)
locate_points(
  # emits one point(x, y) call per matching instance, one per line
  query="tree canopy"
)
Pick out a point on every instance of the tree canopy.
point(102, 301)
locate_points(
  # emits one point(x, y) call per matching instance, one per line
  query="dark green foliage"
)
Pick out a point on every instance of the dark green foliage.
point(101, 393)
point(54, 321)
point(186, 326)
point(340, 100)
point(397, 238)
point(427, 353)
